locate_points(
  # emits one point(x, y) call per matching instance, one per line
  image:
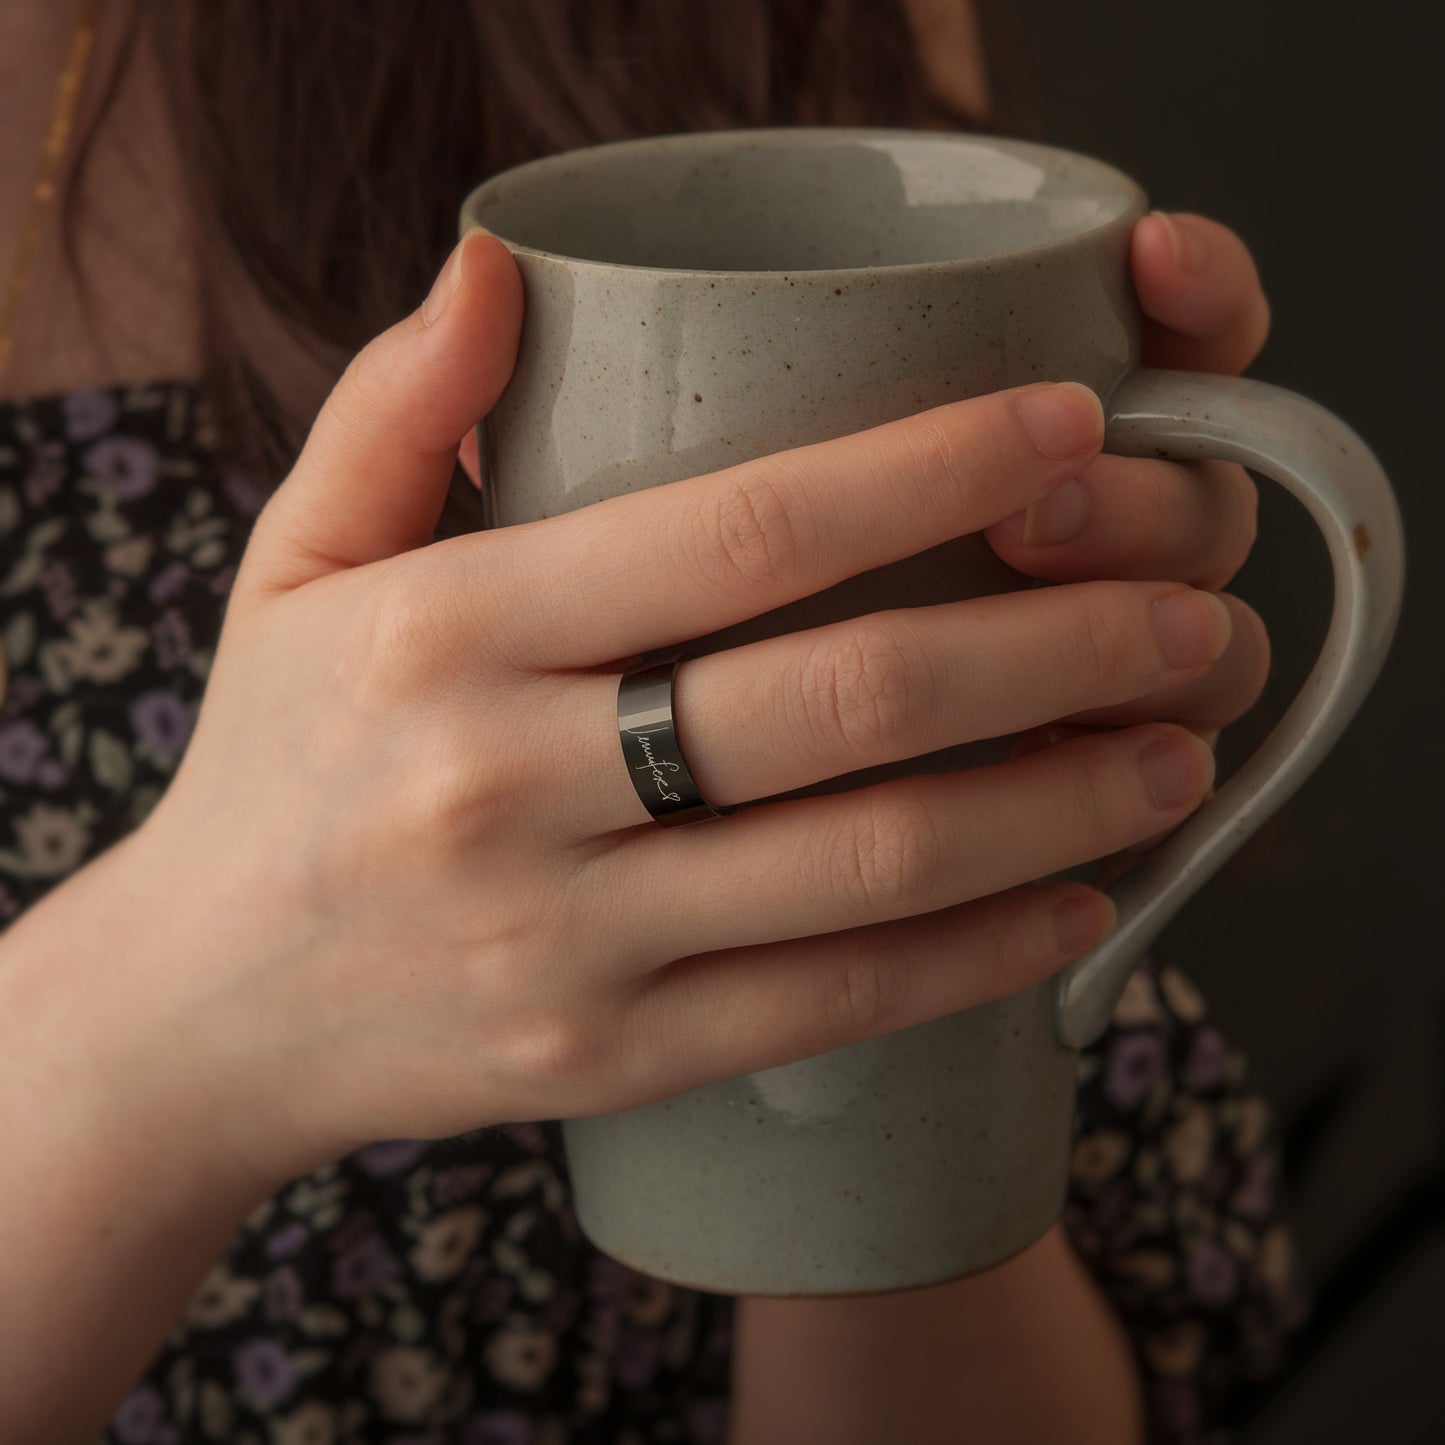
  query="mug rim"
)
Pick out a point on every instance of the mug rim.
point(1112, 183)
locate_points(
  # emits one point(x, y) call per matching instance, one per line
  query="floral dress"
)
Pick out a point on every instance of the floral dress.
point(418, 1293)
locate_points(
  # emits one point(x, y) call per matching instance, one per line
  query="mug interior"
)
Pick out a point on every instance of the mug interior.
point(800, 199)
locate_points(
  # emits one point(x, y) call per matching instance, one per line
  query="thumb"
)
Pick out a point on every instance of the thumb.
point(373, 476)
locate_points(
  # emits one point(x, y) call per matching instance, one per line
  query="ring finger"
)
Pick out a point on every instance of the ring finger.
point(772, 716)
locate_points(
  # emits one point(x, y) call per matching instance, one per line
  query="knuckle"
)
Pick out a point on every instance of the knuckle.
point(558, 1058)
point(933, 451)
point(365, 391)
point(1089, 802)
point(456, 799)
point(889, 861)
point(868, 994)
point(860, 692)
point(395, 641)
point(1103, 643)
point(745, 535)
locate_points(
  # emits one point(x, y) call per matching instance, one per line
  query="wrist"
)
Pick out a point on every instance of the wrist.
point(110, 1046)
point(1028, 1351)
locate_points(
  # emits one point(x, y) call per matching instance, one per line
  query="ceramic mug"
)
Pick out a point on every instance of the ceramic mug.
point(693, 301)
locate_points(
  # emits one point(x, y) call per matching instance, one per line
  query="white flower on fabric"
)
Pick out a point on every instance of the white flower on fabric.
point(1181, 995)
point(444, 1244)
point(1189, 1145)
point(313, 1424)
point(221, 1299)
point(407, 1383)
point(521, 1355)
point(99, 648)
point(1139, 1003)
point(1099, 1156)
point(52, 841)
point(1176, 1349)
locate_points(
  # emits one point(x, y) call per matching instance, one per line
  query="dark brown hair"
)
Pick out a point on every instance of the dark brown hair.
point(326, 145)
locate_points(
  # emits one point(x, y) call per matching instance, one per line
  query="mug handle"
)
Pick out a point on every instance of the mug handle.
point(1185, 415)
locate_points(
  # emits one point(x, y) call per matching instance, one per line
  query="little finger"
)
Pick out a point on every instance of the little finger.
point(736, 1011)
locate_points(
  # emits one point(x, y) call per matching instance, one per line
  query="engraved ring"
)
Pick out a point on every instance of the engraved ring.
point(652, 749)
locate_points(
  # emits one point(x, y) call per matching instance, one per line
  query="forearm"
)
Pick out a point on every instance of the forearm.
point(1027, 1352)
point(114, 1203)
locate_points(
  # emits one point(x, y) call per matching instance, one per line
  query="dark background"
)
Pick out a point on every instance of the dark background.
point(1314, 128)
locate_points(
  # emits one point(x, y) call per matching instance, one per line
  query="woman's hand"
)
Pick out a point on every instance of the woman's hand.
point(1139, 518)
point(417, 891)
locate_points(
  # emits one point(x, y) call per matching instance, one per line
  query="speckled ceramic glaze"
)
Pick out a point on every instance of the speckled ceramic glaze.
point(695, 301)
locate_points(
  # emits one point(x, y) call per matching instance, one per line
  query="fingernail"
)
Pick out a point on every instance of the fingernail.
point(1082, 920)
point(445, 285)
point(1059, 517)
point(1172, 773)
point(1192, 627)
point(1062, 420)
point(1191, 250)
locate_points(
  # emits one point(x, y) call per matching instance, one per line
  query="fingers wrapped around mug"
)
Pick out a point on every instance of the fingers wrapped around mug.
point(1130, 517)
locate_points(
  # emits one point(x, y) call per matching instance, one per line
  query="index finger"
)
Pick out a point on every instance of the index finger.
point(642, 571)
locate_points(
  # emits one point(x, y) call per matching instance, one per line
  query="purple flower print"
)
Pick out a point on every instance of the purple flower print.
point(89, 413)
point(168, 582)
point(125, 466)
point(171, 639)
point(390, 1157)
point(264, 1372)
point(1136, 1063)
point(141, 1417)
point(50, 774)
point(1204, 1068)
point(22, 745)
point(463, 1182)
point(497, 1427)
point(365, 1267)
point(162, 721)
point(58, 584)
point(1255, 1197)
point(285, 1241)
point(1211, 1273)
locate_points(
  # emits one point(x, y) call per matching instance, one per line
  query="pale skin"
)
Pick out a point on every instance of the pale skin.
point(380, 993)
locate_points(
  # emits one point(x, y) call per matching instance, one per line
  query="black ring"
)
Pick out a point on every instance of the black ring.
point(652, 748)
